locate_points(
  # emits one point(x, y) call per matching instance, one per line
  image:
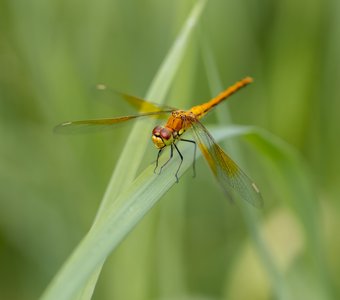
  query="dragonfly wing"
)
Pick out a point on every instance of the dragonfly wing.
point(100, 124)
point(143, 105)
point(139, 103)
point(231, 178)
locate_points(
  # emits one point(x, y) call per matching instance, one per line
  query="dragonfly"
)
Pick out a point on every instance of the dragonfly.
point(233, 181)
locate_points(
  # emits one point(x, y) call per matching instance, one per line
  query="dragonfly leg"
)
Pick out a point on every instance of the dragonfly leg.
point(158, 155)
point(194, 161)
point(181, 156)
point(171, 155)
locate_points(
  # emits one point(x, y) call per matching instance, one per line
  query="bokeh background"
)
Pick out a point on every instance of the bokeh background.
point(194, 244)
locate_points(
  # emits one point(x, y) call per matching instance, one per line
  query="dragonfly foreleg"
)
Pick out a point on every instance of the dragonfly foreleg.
point(171, 155)
point(194, 160)
point(158, 155)
point(181, 156)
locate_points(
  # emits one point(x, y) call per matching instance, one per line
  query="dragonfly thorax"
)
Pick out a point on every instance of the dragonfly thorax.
point(163, 136)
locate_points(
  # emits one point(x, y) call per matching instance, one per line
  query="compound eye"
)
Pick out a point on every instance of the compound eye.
point(165, 134)
point(157, 131)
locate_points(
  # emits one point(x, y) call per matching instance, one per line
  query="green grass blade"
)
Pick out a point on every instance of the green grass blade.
point(124, 173)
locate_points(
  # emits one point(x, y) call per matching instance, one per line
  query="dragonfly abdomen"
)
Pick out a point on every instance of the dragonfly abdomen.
point(201, 110)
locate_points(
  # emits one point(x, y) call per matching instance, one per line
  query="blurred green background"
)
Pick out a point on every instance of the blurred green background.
point(194, 244)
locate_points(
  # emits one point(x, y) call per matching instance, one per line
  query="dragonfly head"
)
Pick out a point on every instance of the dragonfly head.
point(162, 136)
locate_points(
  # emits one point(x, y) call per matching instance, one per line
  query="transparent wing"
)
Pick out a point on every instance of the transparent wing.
point(140, 104)
point(231, 178)
point(100, 124)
